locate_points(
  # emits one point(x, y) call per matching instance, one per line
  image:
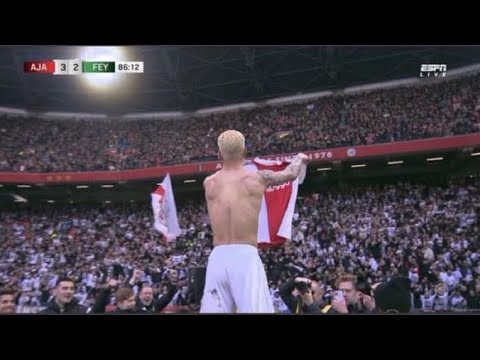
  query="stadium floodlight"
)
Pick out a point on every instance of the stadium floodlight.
point(189, 181)
point(398, 162)
point(324, 169)
point(475, 154)
point(359, 166)
point(50, 201)
point(24, 186)
point(82, 186)
point(107, 186)
point(435, 159)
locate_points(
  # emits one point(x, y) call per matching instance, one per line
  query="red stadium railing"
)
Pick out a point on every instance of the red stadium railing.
point(334, 154)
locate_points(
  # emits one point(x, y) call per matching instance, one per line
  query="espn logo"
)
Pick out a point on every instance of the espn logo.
point(433, 70)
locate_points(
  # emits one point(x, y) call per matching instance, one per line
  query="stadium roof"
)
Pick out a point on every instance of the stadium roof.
point(181, 78)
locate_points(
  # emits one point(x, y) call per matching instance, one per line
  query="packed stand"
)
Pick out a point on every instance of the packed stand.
point(427, 233)
point(92, 247)
point(406, 113)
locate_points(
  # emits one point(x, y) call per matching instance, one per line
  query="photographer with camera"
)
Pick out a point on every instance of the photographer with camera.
point(302, 296)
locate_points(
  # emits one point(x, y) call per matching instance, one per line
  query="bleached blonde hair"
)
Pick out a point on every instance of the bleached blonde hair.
point(231, 144)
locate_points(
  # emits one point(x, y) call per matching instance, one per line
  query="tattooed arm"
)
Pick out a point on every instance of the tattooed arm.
point(290, 173)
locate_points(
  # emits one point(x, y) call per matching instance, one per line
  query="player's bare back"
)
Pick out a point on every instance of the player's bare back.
point(234, 196)
point(233, 199)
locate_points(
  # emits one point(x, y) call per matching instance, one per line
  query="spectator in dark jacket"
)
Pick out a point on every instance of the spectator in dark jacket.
point(473, 302)
point(64, 301)
point(146, 302)
point(125, 300)
point(103, 297)
point(394, 295)
point(302, 296)
point(127, 303)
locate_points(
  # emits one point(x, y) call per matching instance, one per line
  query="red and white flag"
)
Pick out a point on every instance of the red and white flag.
point(165, 210)
point(278, 205)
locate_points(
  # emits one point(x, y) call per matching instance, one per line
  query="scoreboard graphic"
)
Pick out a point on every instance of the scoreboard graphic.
point(78, 67)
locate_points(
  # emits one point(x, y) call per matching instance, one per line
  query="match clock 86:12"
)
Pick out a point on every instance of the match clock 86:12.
point(129, 66)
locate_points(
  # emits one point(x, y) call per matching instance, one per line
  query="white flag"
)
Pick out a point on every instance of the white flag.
point(165, 210)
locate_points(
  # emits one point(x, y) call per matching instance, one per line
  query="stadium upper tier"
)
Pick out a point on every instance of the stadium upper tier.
point(406, 113)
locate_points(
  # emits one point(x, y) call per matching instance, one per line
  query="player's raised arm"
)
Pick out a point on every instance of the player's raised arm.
point(290, 173)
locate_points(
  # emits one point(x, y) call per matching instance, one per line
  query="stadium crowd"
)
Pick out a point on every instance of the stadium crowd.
point(405, 113)
point(427, 233)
